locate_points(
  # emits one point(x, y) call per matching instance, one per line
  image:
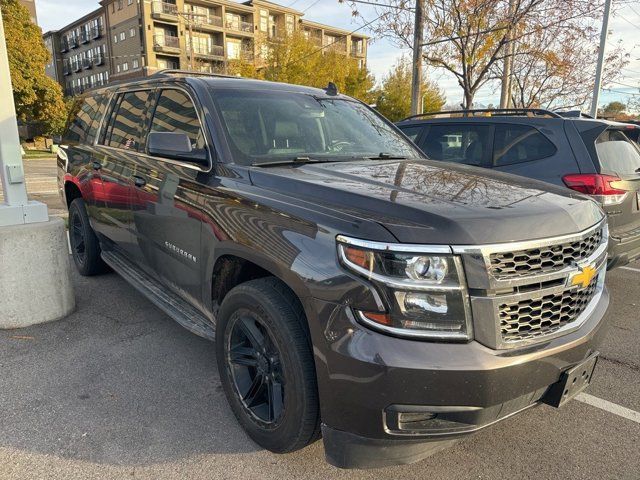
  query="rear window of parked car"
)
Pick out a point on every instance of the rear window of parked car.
point(519, 143)
point(617, 153)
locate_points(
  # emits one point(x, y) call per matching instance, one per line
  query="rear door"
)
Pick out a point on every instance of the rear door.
point(117, 154)
point(619, 157)
point(166, 217)
point(537, 149)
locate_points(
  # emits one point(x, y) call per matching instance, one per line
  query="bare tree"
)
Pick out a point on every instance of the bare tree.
point(468, 38)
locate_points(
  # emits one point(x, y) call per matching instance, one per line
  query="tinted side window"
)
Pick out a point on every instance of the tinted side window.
point(175, 112)
point(460, 143)
point(125, 129)
point(520, 143)
point(617, 153)
point(412, 132)
point(84, 119)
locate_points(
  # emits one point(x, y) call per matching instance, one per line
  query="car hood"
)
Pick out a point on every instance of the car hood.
point(421, 201)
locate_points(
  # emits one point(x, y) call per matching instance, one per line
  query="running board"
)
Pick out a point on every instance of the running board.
point(174, 306)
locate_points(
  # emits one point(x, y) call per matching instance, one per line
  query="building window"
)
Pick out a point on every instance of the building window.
point(119, 4)
point(135, 63)
point(115, 39)
point(129, 2)
point(264, 21)
point(118, 68)
point(234, 47)
point(123, 36)
point(289, 24)
point(125, 66)
point(132, 32)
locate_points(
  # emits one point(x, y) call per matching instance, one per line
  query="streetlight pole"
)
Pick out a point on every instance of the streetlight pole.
point(416, 78)
point(600, 66)
point(16, 209)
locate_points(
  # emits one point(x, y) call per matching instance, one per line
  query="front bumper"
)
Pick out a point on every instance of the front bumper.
point(365, 378)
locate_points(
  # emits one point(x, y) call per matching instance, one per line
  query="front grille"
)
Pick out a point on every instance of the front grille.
point(544, 315)
point(542, 260)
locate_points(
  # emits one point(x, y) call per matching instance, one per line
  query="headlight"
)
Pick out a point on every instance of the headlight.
point(424, 288)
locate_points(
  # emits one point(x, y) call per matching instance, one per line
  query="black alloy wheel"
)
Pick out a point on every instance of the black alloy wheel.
point(255, 367)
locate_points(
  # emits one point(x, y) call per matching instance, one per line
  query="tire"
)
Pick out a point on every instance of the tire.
point(85, 247)
point(274, 394)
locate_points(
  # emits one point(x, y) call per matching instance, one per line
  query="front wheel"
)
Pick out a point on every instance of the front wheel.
point(266, 365)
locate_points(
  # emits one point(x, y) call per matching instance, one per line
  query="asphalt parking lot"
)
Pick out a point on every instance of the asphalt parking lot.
point(118, 390)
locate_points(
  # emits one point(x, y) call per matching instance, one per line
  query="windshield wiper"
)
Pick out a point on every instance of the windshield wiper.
point(387, 156)
point(290, 161)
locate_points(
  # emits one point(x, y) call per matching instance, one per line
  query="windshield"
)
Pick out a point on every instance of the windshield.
point(265, 127)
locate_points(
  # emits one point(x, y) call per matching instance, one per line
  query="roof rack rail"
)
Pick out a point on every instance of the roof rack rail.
point(530, 112)
point(572, 114)
point(168, 72)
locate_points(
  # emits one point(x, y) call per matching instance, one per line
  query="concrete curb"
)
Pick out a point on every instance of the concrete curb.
point(35, 274)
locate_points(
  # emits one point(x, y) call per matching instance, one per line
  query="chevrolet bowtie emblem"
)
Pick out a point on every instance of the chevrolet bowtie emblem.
point(585, 276)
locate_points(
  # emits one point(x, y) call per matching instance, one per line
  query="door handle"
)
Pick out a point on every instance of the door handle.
point(96, 165)
point(139, 181)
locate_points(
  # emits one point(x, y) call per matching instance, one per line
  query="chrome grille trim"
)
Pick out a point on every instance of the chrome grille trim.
point(491, 326)
point(477, 260)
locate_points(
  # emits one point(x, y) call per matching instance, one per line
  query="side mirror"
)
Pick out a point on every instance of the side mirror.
point(175, 146)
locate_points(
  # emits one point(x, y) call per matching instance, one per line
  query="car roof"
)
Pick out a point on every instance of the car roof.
point(214, 81)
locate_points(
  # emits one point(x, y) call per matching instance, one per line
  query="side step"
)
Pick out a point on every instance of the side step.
point(174, 306)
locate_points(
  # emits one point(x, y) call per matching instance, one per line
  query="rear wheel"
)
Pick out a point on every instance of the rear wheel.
point(266, 365)
point(85, 247)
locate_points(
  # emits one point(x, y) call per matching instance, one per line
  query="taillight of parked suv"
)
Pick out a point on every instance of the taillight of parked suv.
point(603, 188)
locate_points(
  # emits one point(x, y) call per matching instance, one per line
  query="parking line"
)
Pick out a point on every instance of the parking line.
point(609, 407)
point(631, 268)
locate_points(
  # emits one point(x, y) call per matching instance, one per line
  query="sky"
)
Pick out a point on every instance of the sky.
point(54, 14)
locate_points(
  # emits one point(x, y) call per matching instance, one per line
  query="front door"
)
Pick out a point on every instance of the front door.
point(166, 220)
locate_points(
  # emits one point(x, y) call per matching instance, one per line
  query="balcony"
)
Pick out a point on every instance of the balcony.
point(209, 22)
point(73, 42)
point(98, 60)
point(212, 52)
point(166, 44)
point(84, 37)
point(339, 46)
point(76, 66)
point(64, 45)
point(244, 27)
point(87, 63)
point(357, 51)
point(96, 32)
point(165, 11)
point(66, 69)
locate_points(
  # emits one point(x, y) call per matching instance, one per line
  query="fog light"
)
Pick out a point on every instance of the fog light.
point(412, 417)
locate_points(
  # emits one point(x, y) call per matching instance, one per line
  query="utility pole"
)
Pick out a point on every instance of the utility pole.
point(416, 78)
point(505, 92)
point(599, 68)
point(189, 18)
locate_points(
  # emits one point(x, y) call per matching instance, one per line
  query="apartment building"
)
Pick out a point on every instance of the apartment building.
point(79, 54)
point(144, 36)
point(31, 6)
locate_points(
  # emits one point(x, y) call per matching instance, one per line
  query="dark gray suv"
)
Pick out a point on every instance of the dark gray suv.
point(594, 157)
point(354, 289)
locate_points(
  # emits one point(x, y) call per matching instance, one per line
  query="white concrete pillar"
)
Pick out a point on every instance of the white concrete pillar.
point(35, 273)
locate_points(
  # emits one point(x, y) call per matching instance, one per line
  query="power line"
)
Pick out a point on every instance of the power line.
point(625, 84)
point(313, 4)
point(364, 2)
point(622, 92)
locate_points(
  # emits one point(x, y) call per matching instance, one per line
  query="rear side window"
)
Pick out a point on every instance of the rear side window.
point(125, 128)
point(459, 143)
point(176, 112)
point(520, 143)
point(617, 153)
point(85, 118)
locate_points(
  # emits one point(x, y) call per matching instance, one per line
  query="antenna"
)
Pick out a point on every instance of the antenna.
point(331, 89)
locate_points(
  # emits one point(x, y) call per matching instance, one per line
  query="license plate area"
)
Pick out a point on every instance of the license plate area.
point(571, 383)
